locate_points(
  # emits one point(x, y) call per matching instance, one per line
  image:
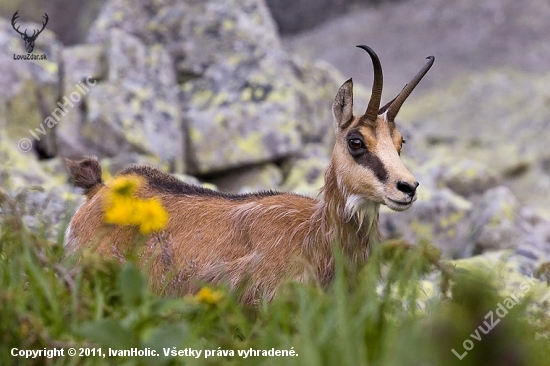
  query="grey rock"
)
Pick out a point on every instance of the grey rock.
point(469, 177)
point(83, 65)
point(49, 211)
point(136, 108)
point(295, 16)
point(46, 212)
point(255, 110)
point(19, 170)
point(462, 228)
point(197, 34)
point(465, 36)
point(499, 120)
point(236, 82)
point(495, 221)
point(39, 188)
point(442, 218)
point(304, 173)
point(30, 88)
point(317, 86)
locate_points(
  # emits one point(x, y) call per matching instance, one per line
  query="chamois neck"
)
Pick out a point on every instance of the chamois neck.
point(345, 220)
point(340, 220)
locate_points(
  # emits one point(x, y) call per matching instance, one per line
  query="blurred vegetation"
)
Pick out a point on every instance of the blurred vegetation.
point(382, 318)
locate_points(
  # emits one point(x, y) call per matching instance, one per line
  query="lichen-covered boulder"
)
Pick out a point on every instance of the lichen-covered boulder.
point(247, 120)
point(237, 83)
point(197, 34)
point(40, 187)
point(508, 274)
point(441, 218)
point(304, 173)
point(469, 177)
point(83, 65)
point(317, 88)
point(498, 118)
point(19, 169)
point(134, 109)
point(463, 227)
point(495, 221)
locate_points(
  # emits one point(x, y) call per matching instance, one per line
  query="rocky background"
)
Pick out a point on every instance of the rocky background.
point(237, 95)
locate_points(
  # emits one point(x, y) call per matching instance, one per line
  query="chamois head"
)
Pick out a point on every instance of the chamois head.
point(366, 154)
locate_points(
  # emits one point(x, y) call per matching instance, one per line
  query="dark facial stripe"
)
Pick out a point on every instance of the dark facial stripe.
point(372, 162)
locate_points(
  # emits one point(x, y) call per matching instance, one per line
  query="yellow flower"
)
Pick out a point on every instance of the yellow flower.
point(123, 208)
point(208, 296)
point(120, 210)
point(124, 186)
point(150, 215)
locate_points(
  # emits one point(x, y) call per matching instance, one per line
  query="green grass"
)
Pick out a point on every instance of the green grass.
point(380, 318)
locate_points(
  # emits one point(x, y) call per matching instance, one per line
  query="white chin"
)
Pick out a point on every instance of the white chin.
point(396, 205)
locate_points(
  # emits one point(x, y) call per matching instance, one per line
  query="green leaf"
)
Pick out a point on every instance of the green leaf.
point(133, 285)
point(168, 336)
point(109, 333)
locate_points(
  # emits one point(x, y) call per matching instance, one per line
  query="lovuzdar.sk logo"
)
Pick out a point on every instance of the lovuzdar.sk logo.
point(29, 39)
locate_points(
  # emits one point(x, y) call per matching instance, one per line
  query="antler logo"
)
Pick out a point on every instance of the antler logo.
point(29, 40)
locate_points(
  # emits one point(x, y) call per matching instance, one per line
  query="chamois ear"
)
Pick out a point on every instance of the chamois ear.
point(342, 107)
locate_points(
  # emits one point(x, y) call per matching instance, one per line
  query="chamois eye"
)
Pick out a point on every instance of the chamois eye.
point(401, 147)
point(355, 144)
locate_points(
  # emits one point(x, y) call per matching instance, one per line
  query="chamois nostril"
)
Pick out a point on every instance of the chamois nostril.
point(407, 188)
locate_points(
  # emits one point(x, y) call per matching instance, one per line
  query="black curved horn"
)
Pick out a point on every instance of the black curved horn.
point(394, 107)
point(376, 95)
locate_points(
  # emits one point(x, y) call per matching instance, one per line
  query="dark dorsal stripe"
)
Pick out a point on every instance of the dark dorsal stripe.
point(166, 183)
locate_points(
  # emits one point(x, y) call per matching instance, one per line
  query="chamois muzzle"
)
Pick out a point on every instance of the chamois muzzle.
point(407, 188)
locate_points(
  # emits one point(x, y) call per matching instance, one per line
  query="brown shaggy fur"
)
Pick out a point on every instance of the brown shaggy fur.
point(221, 238)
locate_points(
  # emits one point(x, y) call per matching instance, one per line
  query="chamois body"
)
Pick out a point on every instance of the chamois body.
point(255, 241)
point(252, 239)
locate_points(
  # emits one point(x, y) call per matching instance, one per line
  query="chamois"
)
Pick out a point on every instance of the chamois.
point(254, 241)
